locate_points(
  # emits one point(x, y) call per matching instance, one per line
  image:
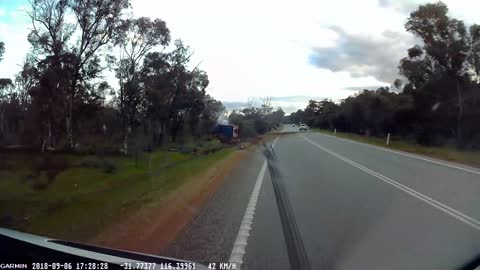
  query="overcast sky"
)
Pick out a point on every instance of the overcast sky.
point(291, 50)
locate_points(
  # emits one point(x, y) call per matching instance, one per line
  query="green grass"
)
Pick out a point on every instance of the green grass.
point(446, 153)
point(83, 201)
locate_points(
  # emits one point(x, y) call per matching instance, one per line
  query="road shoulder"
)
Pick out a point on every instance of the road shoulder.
point(155, 225)
point(211, 235)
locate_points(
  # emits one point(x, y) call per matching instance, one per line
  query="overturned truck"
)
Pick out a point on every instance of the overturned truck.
point(227, 133)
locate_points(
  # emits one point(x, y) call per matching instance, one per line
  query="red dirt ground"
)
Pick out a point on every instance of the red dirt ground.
point(153, 227)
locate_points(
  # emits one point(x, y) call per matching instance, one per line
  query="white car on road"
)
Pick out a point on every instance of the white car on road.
point(303, 127)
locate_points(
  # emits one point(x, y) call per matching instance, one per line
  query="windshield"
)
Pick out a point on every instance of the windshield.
point(269, 134)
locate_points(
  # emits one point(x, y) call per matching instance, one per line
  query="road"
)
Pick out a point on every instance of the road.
point(355, 206)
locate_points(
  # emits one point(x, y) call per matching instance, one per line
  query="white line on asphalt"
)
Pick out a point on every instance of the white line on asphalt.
point(275, 141)
point(240, 244)
point(405, 154)
point(440, 206)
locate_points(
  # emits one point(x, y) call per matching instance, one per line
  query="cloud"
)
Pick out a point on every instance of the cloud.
point(466, 10)
point(288, 104)
point(270, 52)
point(363, 55)
point(360, 88)
point(233, 105)
point(294, 98)
point(16, 48)
point(405, 7)
point(291, 104)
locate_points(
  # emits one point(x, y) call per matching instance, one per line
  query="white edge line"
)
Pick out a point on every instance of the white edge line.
point(432, 202)
point(275, 141)
point(240, 244)
point(404, 154)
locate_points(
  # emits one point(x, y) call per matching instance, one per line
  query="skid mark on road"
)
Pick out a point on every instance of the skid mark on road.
point(432, 202)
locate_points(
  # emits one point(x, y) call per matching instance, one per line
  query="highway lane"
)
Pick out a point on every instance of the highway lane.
point(289, 128)
point(349, 216)
point(349, 219)
point(456, 187)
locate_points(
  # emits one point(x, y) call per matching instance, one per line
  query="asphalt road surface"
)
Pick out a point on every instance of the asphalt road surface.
point(355, 206)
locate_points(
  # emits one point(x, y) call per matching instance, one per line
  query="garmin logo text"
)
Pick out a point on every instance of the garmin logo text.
point(13, 266)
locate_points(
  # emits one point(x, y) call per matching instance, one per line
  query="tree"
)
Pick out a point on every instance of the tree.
point(195, 99)
point(277, 116)
point(370, 112)
point(96, 25)
point(475, 48)
point(137, 38)
point(99, 23)
point(49, 37)
point(157, 78)
point(446, 41)
point(6, 87)
point(61, 99)
point(175, 97)
point(26, 79)
point(266, 106)
point(297, 117)
point(2, 50)
point(257, 120)
point(212, 111)
point(398, 84)
point(50, 33)
point(5, 84)
point(178, 58)
point(49, 96)
point(326, 113)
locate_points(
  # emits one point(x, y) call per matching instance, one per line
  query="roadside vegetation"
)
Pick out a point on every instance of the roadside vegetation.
point(76, 196)
point(434, 109)
point(254, 121)
point(77, 153)
point(61, 100)
point(449, 153)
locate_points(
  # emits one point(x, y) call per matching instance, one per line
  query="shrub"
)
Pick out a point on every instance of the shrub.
point(90, 163)
point(211, 147)
point(107, 166)
point(427, 137)
point(261, 126)
point(5, 164)
point(247, 129)
point(50, 164)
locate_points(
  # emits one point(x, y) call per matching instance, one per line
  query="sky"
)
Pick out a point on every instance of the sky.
point(290, 50)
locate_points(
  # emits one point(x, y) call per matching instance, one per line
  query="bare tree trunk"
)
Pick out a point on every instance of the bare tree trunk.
point(164, 133)
point(68, 125)
point(2, 122)
point(44, 141)
point(69, 116)
point(125, 144)
point(49, 140)
point(125, 140)
point(459, 114)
